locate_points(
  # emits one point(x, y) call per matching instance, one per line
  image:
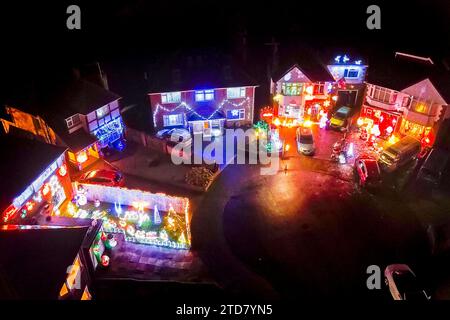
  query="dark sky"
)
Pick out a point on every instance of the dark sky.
point(36, 30)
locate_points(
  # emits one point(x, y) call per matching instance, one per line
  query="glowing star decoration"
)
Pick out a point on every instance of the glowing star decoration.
point(389, 130)
point(156, 216)
point(345, 59)
point(234, 112)
point(326, 103)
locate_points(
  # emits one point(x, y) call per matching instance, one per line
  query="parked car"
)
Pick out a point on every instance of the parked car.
point(403, 283)
point(181, 138)
point(111, 178)
point(305, 141)
point(399, 154)
point(433, 168)
point(340, 118)
point(367, 171)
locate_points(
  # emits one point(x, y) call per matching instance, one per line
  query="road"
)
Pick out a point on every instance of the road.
point(304, 233)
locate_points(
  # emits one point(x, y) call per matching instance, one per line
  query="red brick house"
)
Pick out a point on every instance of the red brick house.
point(203, 95)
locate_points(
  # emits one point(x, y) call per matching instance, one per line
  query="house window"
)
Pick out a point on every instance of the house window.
point(236, 114)
point(235, 93)
point(292, 89)
point(204, 95)
point(101, 112)
point(351, 73)
point(73, 121)
point(171, 97)
point(420, 106)
point(173, 120)
point(319, 88)
point(382, 95)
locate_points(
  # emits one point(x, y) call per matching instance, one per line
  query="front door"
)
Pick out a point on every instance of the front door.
point(207, 128)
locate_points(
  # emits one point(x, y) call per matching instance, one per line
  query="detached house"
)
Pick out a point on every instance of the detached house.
point(202, 93)
point(79, 115)
point(409, 96)
point(301, 90)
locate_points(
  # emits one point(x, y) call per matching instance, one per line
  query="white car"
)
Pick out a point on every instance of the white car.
point(403, 283)
point(305, 141)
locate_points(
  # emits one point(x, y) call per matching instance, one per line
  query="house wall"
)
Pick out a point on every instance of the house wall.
point(187, 102)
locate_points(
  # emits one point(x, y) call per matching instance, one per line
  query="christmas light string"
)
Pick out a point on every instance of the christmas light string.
point(190, 109)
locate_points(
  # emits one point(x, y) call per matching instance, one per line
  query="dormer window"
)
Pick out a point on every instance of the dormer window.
point(204, 95)
point(73, 121)
point(235, 93)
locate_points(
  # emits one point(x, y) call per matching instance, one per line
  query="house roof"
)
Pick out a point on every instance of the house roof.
point(34, 262)
point(307, 60)
point(197, 69)
point(23, 160)
point(401, 72)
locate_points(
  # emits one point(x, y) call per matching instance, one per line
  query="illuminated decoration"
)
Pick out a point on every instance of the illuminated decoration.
point(337, 59)
point(326, 103)
point(82, 200)
point(345, 59)
point(163, 235)
point(323, 121)
point(375, 130)
point(131, 230)
point(117, 208)
point(82, 157)
point(105, 261)
point(392, 139)
point(278, 97)
point(307, 124)
point(62, 170)
point(287, 147)
point(277, 122)
point(97, 203)
point(389, 130)
point(45, 189)
point(71, 209)
point(140, 205)
point(358, 62)
point(342, 159)
point(350, 151)
point(29, 205)
point(334, 98)
point(37, 197)
point(190, 109)
point(156, 216)
point(360, 122)
point(110, 132)
point(110, 241)
point(309, 90)
point(9, 213)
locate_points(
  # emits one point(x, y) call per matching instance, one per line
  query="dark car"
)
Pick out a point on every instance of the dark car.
point(111, 178)
point(367, 172)
point(433, 168)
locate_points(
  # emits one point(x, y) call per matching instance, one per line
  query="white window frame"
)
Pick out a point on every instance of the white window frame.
point(171, 97)
point(167, 122)
point(351, 70)
point(204, 95)
point(241, 114)
point(236, 93)
point(382, 94)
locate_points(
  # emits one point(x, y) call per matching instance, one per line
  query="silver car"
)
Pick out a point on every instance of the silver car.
point(305, 141)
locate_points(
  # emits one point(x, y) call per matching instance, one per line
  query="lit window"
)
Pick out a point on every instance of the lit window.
point(101, 112)
point(173, 120)
point(319, 88)
point(204, 95)
point(73, 121)
point(236, 114)
point(235, 93)
point(351, 73)
point(171, 97)
point(292, 89)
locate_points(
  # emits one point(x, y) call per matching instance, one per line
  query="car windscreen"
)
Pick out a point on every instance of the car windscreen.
point(306, 139)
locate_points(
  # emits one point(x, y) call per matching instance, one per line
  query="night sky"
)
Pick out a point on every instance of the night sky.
point(36, 31)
